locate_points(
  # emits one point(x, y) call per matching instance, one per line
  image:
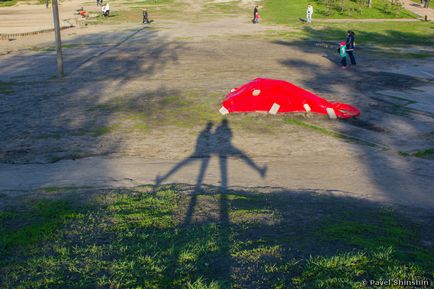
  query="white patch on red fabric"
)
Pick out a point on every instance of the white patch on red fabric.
point(223, 110)
point(256, 92)
point(274, 108)
point(331, 113)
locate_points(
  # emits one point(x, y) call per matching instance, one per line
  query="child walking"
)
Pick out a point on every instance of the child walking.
point(343, 54)
point(257, 17)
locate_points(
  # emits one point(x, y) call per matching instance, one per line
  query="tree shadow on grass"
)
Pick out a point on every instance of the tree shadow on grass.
point(383, 37)
point(272, 238)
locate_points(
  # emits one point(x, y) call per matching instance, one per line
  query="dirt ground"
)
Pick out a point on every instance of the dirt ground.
point(136, 99)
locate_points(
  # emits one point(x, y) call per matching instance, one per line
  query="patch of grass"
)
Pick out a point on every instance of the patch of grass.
point(57, 189)
point(143, 238)
point(54, 159)
point(284, 12)
point(224, 7)
point(95, 131)
point(187, 110)
point(363, 235)
point(382, 229)
point(413, 55)
point(37, 223)
point(424, 153)
point(49, 136)
point(331, 133)
point(132, 12)
point(100, 131)
point(6, 87)
point(201, 284)
point(6, 3)
point(375, 33)
point(385, 33)
point(348, 270)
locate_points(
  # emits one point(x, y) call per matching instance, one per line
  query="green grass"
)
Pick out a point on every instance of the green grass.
point(143, 238)
point(5, 3)
point(38, 222)
point(424, 153)
point(385, 33)
point(340, 271)
point(96, 131)
point(224, 7)
point(284, 12)
point(378, 34)
point(187, 110)
point(6, 87)
point(132, 12)
point(332, 133)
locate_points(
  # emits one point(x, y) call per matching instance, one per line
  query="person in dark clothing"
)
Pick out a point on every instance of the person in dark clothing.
point(255, 12)
point(145, 16)
point(350, 46)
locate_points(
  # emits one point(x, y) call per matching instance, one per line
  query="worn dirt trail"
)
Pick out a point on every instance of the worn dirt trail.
point(418, 9)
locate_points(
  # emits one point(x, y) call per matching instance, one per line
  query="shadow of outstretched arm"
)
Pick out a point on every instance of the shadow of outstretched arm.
point(160, 179)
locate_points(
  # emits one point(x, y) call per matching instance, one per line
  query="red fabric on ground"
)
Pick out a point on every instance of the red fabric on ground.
point(291, 98)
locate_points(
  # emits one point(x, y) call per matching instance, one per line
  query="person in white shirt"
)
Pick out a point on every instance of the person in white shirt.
point(309, 13)
point(106, 10)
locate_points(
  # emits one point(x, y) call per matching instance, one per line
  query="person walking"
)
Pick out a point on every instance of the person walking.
point(255, 13)
point(309, 13)
point(343, 54)
point(350, 46)
point(257, 17)
point(145, 16)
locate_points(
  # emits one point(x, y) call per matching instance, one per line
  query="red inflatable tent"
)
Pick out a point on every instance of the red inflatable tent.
point(278, 96)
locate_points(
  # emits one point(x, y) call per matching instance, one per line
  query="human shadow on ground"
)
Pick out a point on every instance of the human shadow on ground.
point(209, 144)
point(217, 144)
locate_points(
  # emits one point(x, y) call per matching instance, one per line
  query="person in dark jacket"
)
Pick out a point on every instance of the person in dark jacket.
point(350, 46)
point(145, 16)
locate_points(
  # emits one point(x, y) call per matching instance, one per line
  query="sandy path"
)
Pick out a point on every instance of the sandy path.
point(417, 9)
point(314, 171)
point(31, 18)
